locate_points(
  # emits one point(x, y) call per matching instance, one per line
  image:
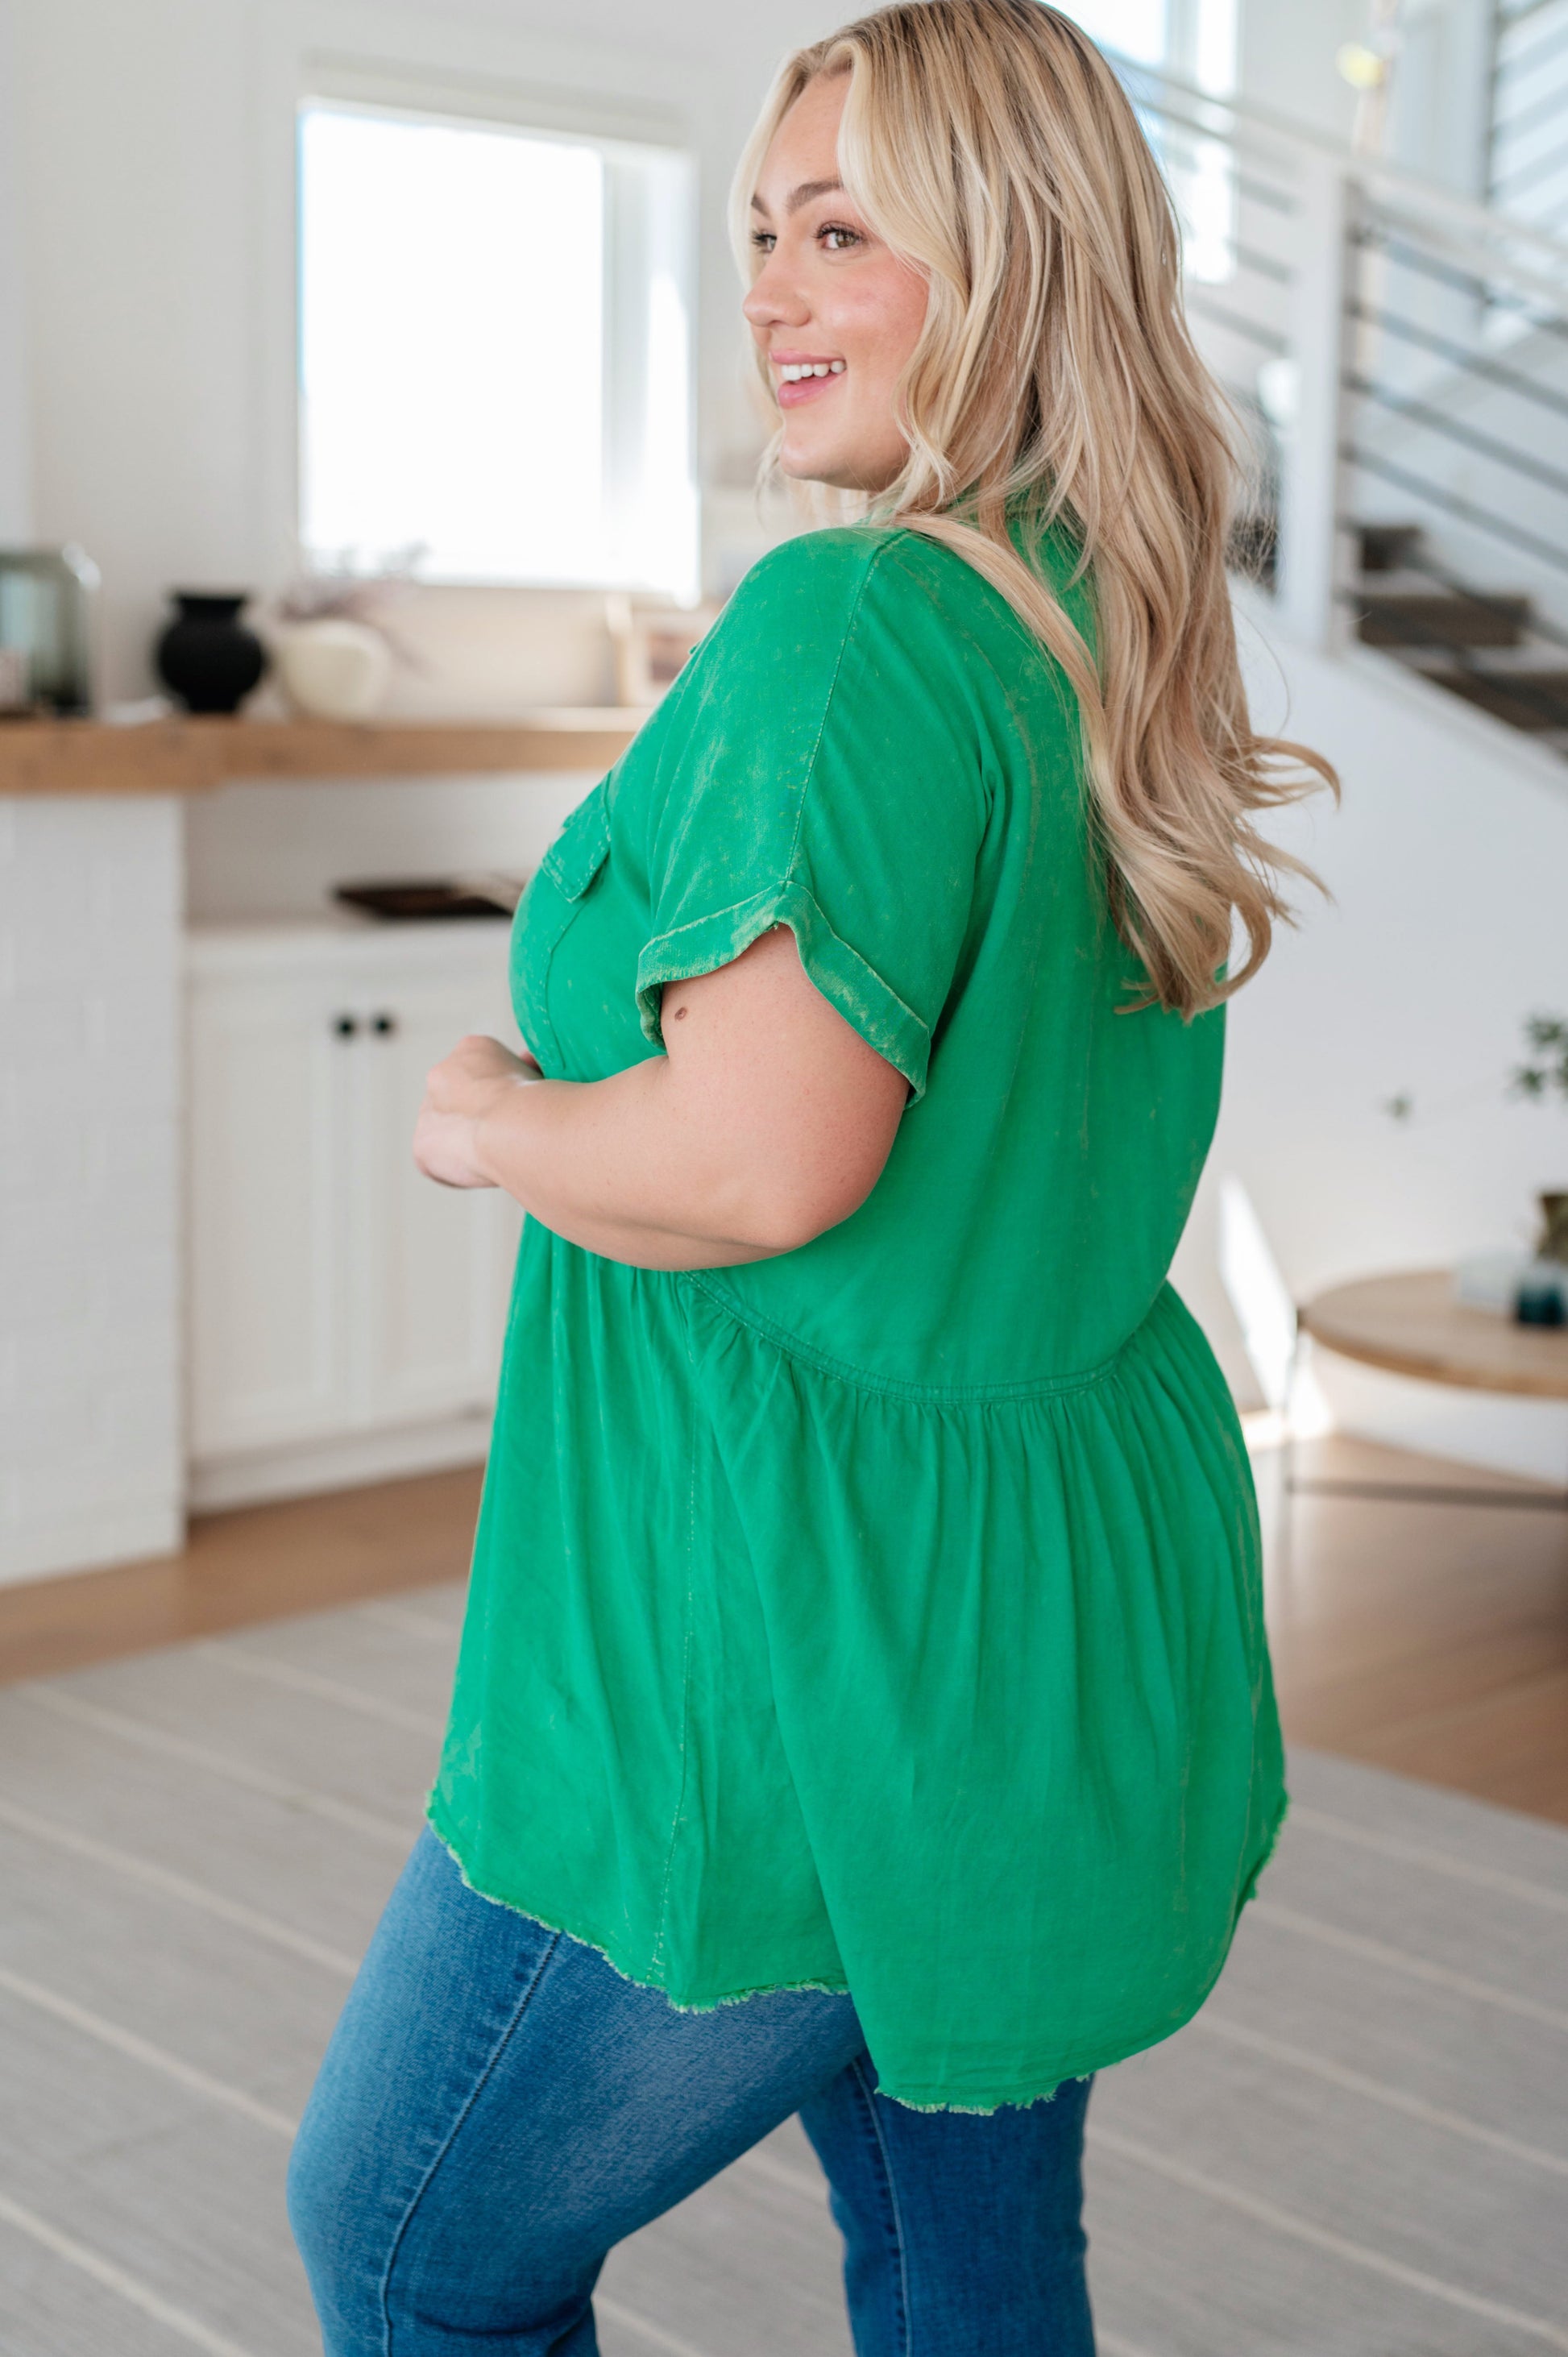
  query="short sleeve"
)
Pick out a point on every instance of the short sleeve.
point(822, 768)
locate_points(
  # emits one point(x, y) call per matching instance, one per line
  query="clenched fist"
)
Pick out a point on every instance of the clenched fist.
point(459, 1092)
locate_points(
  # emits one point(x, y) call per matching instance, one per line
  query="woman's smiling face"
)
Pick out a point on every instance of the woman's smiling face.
point(834, 312)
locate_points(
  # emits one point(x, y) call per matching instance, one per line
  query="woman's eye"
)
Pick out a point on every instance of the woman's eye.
point(839, 241)
point(763, 240)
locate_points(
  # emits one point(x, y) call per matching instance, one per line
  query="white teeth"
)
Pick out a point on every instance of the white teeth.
point(793, 370)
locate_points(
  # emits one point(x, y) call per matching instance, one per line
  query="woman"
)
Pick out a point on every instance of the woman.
point(864, 1707)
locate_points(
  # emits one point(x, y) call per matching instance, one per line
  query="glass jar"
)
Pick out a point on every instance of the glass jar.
point(46, 616)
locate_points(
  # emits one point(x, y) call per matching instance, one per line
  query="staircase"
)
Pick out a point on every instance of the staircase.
point(1396, 357)
point(1488, 647)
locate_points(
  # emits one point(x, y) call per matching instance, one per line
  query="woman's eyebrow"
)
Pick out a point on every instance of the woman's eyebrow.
point(804, 195)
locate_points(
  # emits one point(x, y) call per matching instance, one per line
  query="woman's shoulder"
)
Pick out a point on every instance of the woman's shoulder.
point(782, 638)
point(815, 577)
point(838, 564)
point(811, 598)
point(884, 625)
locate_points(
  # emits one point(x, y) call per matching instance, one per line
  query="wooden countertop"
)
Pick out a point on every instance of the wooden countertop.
point(1411, 1325)
point(192, 756)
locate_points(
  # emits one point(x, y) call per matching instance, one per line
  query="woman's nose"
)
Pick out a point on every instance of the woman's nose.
point(773, 302)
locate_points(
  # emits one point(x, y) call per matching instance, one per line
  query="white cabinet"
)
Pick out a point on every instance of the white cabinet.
point(435, 1262)
point(269, 1215)
point(346, 1315)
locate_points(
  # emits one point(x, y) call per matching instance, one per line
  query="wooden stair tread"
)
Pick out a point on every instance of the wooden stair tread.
point(1417, 618)
point(1536, 701)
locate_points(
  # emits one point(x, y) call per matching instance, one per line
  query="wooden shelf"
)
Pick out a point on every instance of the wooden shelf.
point(193, 755)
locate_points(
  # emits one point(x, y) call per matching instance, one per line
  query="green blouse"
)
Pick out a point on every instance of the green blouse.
point(884, 1616)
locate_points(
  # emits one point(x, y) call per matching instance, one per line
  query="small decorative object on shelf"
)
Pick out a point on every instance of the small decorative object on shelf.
point(207, 656)
point(333, 669)
point(332, 639)
point(1542, 1296)
point(1553, 1243)
point(651, 644)
point(46, 630)
point(1531, 1291)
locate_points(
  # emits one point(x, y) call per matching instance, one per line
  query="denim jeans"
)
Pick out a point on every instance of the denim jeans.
point(497, 2107)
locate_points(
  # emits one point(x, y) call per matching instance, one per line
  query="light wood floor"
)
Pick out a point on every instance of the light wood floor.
point(1426, 1637)
point(1431, 1639)
point(259, 1563)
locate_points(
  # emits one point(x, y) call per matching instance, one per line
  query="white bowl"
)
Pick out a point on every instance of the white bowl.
point(333, 669)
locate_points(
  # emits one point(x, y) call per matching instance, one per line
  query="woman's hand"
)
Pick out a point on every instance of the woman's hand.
point(459, 1092)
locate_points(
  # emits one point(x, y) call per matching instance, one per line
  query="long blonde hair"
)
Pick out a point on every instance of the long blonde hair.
point(989, 143)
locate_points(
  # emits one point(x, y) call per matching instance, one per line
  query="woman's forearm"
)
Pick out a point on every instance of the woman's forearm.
point(623, 1167)
point(767, 1120)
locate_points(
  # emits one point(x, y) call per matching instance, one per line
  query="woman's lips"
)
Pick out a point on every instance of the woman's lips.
point(804, 389)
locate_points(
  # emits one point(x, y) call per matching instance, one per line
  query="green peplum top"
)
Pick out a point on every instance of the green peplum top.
point(883, 1615)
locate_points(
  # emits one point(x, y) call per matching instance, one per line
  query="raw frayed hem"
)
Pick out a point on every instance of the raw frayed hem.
point(1271, 1844)
point(633, 1980)
point(1026, 2102)
point(830, 1989)
point(989, 2111)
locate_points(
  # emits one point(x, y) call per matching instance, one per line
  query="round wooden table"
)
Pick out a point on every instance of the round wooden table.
point(1411, 1325)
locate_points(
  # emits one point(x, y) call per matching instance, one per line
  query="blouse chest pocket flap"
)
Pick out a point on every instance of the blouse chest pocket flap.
point(549, 906)
point(579, 851)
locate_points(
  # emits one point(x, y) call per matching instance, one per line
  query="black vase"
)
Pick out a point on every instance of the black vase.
point(207, 656)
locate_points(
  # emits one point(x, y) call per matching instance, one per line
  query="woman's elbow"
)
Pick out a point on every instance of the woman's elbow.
point(776, 1183)
point(782, 1213)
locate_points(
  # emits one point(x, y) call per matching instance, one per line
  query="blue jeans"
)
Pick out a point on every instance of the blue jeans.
point(499, 2107)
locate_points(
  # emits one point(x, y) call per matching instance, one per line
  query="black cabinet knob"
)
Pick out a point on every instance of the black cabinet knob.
point(345, 1026)
point(383, 1025)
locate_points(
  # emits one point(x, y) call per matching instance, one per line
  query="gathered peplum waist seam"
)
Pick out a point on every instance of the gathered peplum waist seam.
point(791, 1346)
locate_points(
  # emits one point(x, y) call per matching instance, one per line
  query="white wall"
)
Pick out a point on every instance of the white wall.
point(1438, 97)
point(1448, 864)
point(15, 485)
point(277, 851)
point(1440, 100)
point(1285, 58)
point(140, 246)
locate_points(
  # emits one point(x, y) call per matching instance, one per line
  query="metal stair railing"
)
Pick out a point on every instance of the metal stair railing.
point(1394, 354)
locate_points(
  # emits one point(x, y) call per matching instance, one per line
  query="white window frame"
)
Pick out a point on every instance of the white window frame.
point(650, 226)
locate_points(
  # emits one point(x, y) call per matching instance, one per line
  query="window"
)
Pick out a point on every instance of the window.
point(494, 342)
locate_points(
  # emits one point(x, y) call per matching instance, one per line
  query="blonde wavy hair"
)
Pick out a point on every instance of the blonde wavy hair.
point(989, 143)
